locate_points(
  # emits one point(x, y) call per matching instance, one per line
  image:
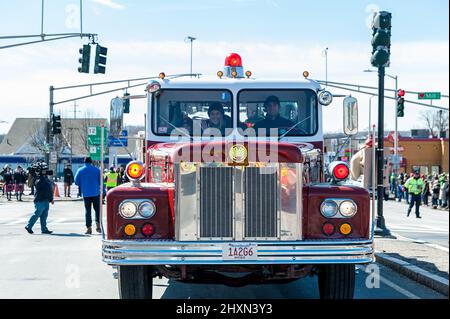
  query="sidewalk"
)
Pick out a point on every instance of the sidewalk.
point(425, 263)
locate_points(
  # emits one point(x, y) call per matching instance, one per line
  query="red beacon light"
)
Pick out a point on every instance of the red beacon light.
point(233, 60)
point(233, 66)
point(401, 93)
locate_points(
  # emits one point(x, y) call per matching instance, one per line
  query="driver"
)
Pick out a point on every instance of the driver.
point(273, 118)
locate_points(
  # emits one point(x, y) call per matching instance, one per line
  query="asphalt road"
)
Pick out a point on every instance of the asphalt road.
point(432, 228)
point(67, 264)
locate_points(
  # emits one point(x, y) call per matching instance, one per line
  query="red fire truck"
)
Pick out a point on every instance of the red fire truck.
point(234, 189)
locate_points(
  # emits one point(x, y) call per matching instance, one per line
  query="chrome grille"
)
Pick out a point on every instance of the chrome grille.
point(261, 202)
point(238, 203)
point(216, 202)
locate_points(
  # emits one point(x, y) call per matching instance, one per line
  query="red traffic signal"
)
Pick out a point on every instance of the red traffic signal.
point(401, 92)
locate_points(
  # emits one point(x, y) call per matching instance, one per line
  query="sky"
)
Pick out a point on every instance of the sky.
point(277, 39)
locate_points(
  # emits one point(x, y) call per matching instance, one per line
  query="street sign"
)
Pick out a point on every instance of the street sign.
point(94, 135)
point(119, 142)
point(53, 158)
point(396, 159)
point(429, 95)
point(95, 152)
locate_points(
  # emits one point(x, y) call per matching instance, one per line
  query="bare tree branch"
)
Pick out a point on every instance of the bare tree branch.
point(428, 118)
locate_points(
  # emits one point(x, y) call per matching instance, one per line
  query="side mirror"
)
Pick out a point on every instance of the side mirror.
point(350, 116)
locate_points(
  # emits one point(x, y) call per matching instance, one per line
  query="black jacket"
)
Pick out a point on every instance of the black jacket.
point(278, 122)
point(44, 189)
point(20, 178)
point(68, 176)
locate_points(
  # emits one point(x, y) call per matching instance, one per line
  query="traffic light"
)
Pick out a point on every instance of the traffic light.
point(381, 40)
point(126, 104)
point(56, 124)
point(85, 52)
point(100, 59)
point(400, 103)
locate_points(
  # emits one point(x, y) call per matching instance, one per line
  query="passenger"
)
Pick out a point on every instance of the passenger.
point(252, 115)
point(179, 119)
point(273, 118)
point(217, 118)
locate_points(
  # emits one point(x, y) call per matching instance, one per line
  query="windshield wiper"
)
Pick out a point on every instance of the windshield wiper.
point(292, 127)
point(176, 128)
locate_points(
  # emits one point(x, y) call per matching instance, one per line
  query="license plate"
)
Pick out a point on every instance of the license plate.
point(240, 252)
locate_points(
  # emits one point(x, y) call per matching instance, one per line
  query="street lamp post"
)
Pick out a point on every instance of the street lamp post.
point(191, 39)
point(325, 53)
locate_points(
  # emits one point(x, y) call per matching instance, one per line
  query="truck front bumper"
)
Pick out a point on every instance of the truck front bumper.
point(146, 252)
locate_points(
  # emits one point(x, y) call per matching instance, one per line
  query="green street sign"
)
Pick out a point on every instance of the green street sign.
point(429, 95)
point(95, 152)
point(94, 135)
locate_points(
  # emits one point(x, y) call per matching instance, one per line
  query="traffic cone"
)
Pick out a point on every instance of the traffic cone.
point(56, 190)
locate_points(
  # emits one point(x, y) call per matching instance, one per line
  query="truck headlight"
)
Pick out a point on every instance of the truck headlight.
point(127, 209)
point(328, 208)
point(147, 209)
point(347, 208)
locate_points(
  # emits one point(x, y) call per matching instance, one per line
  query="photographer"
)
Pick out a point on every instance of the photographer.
point(42, 198)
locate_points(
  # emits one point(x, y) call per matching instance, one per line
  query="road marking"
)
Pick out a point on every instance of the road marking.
point(422, 242)
point(396, 287)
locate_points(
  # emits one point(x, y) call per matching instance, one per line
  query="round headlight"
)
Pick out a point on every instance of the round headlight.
point(328, 208)
point(147, 209)
point(325, 98)
point(127, 209)
point(347, 208)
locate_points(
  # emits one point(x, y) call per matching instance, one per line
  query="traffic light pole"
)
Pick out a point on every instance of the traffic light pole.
point(380, 222)
point(48, 137)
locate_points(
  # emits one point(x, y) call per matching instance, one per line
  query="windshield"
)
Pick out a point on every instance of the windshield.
point(192, 112)
point(279, 112)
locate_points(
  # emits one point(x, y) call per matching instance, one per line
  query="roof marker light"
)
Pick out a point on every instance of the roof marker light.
point(305, 74)
point(248, 74)
point(219, 74)
point(162, 75)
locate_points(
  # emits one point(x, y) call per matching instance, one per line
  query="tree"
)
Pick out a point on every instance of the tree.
point(428, 119)
point(435, 121)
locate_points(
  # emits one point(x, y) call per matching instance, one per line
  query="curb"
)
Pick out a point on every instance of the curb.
point(415, 273)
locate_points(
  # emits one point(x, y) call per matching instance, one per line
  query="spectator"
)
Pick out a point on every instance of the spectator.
point(88, 179)
point(111, 178)
point(435, 189)
point(443, 181)
point(8, 180)
point(20, 178)
point(400, 187)
point(42, 197)
point(68, 180)
point(426, 191)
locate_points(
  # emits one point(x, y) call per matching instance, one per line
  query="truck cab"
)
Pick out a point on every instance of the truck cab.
point(234, 189)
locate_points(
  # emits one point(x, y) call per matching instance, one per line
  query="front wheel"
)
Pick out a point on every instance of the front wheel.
point(337, 281)
point(135, 282)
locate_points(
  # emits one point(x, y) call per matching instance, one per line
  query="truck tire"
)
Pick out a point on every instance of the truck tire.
point(135, 282)
point(336, 281)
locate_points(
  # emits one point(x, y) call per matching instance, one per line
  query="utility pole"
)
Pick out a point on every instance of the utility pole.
point(191, 39)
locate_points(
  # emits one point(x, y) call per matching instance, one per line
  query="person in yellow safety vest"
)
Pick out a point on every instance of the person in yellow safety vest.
point(415, 187)
point(111, 178)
